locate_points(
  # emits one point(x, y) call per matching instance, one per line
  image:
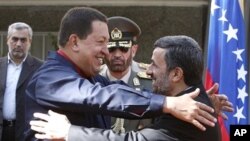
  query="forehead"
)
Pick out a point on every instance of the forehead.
point(20, 33)
point(100, 29)
point(158, 54)
point(158, 58)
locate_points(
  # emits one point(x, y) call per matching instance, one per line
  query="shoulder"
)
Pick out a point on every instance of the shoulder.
point(143, 75)
point(140, 80)
point(143, 66)
point(33, 60)
point(144, 79)
point(2, 59)
point(139, 66)
point(37, 60)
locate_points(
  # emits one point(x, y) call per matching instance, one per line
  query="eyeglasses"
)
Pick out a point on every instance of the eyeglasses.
point(122, 49)
point(15, 39)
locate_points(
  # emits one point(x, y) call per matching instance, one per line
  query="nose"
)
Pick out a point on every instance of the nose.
point(117, 53)
point(105, 51)
point(19, 43)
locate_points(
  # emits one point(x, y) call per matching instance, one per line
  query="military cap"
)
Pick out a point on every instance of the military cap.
point(123, 32)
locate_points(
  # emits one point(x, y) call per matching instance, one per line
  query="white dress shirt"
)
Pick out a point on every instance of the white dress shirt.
point(9, 102)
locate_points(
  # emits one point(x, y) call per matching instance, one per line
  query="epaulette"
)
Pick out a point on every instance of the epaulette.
point(143, 74)
point(143, 66)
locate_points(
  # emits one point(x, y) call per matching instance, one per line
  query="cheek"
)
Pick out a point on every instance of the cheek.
point(159, 82)
point(27, 47)
point(162, 79)
point(10, 44)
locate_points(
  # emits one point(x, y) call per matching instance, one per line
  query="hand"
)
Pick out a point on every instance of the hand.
point(189, 110)
point(219, 101)
point(50, 126)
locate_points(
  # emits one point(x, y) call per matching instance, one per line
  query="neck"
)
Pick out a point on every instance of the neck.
point(71, 57)
point(178, 88)
point(119, 75)
point(17, 61)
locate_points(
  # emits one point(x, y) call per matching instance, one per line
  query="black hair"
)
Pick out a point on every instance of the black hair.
point(184, 52)
point(78, 21)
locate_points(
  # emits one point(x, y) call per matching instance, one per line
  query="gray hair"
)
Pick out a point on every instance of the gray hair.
point(19, 26)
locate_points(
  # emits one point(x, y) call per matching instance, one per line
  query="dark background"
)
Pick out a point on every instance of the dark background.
point(155, 22)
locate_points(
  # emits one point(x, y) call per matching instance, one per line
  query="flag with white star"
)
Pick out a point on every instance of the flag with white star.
point(227, 59)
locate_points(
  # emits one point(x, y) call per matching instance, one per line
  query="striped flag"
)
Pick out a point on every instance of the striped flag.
point(227, 59)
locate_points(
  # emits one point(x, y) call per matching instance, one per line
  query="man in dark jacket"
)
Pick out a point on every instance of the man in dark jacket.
point(68, 82)
point(15, 71)
point(176, 69)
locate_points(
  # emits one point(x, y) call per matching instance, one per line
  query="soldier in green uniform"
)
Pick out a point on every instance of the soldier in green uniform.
point(122, 48)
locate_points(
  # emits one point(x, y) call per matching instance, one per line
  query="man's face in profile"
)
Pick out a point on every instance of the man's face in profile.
point(158, 71)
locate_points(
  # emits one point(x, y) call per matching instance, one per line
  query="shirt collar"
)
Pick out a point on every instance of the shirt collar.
point(67, 58)
point(12, 61)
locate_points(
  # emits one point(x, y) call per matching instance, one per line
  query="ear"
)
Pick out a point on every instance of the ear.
point(73, 42)
point(177, 74)
point(134, 50)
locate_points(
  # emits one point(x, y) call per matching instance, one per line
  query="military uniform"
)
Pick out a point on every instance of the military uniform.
point(136, 66)
point(123, 35)
point(139, 81)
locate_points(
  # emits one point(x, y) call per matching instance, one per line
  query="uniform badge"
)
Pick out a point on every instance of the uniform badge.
point(136, 81)
point(116, 34)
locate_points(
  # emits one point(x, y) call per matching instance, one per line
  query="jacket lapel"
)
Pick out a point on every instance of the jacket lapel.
point(27, 68)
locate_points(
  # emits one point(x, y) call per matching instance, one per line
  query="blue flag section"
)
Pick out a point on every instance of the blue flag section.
point(227, 60)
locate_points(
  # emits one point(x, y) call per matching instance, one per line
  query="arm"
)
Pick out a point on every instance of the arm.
point(95, 134)
point(69, 91)
point(57, 121)
point(65, 131)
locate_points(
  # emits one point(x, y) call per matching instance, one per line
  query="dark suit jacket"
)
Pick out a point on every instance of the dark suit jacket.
point(30, 65)
point(166, 128)
point(57, 85)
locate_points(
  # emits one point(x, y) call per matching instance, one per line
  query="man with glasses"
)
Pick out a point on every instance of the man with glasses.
point(122, 47)
point(15, 71)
